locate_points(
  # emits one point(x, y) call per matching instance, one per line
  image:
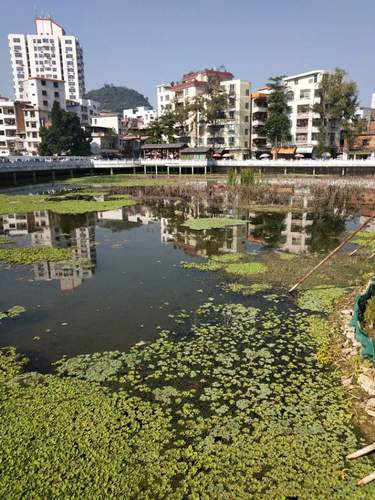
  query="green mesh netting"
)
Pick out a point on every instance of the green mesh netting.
point(368, 347)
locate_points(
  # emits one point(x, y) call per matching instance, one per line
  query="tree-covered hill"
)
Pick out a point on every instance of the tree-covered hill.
point(113, 98)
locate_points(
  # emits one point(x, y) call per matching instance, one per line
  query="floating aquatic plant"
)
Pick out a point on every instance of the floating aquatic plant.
point(320, 298)
point(60, 204)
point(12, 312)
point(203, 223)
point(30, 255)
point(246, 268)
point(246, 289)
point(236, 406)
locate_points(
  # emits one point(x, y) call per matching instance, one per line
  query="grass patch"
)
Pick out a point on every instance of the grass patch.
point(203, 223)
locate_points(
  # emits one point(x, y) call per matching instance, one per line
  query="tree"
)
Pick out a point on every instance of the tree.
point(278, 123)
point(65, 136)
point(163, 129)
point(196, 109)
point(216, 103)
point(181, 114)
point(336, 107)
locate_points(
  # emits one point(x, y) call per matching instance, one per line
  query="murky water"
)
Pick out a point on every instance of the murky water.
point(134, 282)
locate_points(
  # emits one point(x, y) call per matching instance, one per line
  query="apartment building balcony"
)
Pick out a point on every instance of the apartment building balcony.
point(259, 108)
point(258, 123)
point(301, 140)
point(303, 115)
point(302, 130)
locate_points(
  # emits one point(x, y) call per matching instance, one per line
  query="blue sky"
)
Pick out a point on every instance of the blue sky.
point(140, 43)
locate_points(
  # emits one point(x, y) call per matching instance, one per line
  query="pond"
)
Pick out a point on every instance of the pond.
point(126, 278)
point(226, 373)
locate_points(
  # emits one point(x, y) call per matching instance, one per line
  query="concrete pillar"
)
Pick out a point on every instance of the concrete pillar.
point(205, 170)
point(284, 170)
point(343, 171)
point(260, 170)
point(192, 170)
point(179, 170)
point(134, 170)
point(145, 169)
point(168, 170)
point(314, 171)
point(111, 171)
point(156, 169)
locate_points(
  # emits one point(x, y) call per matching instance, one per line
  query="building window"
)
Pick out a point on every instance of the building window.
point(304, 94)
point(246, 131)
point(45, 103)
point(365, 142)
point(247, 92)
point(43, 82)
point(57, 94)
point(247, 105)
point(246, 118)
point(246, 144)
point(44, 92)
point(56, 85)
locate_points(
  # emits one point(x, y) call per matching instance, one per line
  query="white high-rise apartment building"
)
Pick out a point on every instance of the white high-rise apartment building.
point(303, 93)
point(50, 53)
point(232, 133)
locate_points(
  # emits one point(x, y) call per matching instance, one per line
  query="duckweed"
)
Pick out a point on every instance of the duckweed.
point(246, 289)
point(13, 312)
point(203, 223)
point(59, 204)
point(246, 268)
point(31, 255)
point(237, 406)
point(320, 298)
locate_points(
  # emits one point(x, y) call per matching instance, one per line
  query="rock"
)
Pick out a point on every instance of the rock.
point(370, 404)
point(346, 382)
point(367, 383)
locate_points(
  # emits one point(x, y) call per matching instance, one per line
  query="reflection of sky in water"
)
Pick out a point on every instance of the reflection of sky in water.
point(125, 278)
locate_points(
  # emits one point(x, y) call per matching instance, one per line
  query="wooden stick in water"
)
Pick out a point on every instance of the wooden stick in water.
point(366, 479)
point(362, 451)
point(348, 238)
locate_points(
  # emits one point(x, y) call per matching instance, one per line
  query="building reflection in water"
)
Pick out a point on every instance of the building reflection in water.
point(296, 232)
point(47, 229)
